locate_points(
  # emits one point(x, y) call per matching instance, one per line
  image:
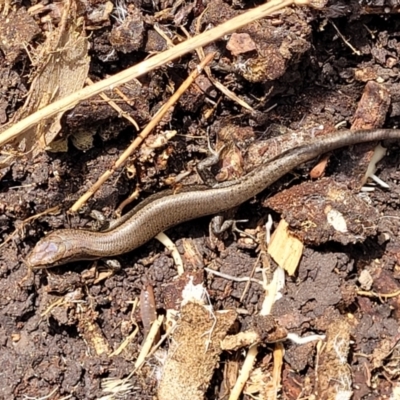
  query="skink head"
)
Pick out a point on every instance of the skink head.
point(51, 251)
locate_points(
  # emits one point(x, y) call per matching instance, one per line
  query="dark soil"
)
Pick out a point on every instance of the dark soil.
point(302, 77)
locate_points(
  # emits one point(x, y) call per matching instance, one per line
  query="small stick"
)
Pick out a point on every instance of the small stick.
point(115, 106)
point(142, 136)
point(146, 66)
point(149, 342)
point(244, 372)
point(51, 210)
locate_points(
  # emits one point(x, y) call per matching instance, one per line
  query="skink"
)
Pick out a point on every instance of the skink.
point(167, 209)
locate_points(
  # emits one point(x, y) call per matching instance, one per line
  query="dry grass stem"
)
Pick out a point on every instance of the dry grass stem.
point(148, 65)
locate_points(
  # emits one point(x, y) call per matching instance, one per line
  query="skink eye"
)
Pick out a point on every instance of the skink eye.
point(46, 253)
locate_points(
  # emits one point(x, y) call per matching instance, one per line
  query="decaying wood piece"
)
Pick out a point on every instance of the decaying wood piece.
point(285, 248)
point(334, 379)
point(194, 352)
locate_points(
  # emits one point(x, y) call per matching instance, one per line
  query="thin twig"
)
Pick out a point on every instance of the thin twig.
point(347, 43)
point(115, 106)
point(380, 295)
point(228, 93)
point(51, 210)
point(146, 66)
point(142, 136)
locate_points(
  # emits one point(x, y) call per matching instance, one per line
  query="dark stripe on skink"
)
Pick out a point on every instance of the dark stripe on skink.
point(165, 211)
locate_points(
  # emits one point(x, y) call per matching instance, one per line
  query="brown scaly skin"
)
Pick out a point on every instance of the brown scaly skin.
point(168, 209)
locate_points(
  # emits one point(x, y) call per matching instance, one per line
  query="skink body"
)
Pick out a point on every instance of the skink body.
point(164, 211)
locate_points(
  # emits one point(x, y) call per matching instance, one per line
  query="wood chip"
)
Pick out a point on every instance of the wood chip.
point(285, 249)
